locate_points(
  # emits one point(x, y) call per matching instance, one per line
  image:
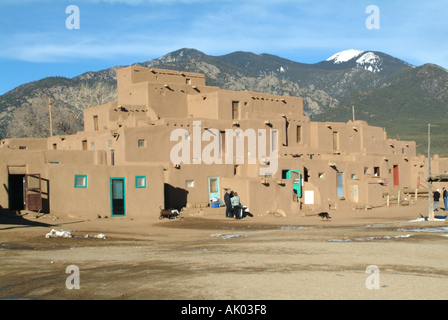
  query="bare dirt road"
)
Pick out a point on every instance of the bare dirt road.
point(205, 256)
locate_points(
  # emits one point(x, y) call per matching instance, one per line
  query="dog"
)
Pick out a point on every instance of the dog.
point(168, 213)
point(324, 215)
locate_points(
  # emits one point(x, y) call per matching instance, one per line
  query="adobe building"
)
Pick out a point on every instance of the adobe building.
point(170, 141)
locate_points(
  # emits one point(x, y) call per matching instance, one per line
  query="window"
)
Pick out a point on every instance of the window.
point(235, 110)
point(95, 123)
point(80, 181)
point(274, 140)
point(109, 143)
point(299, 134)
point(189, 184)
point(366, 170)
point(92, 145)
point(22, 147)
point(353, 176)
point(321, 175)
point(55, 146)
point(140, 182)
point(335, 140)
point(141, 143)
point(376, 171)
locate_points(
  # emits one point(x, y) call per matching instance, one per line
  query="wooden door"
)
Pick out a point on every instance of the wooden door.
point(32, 192)
point(396, 176)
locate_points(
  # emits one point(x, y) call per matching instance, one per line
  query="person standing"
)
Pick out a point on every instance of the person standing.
point(227, 198)
point(236, 205)
point(445, 197)
point(436, 200)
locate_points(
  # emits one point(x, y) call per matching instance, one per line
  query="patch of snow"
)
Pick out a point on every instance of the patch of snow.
point(370, 62)
point(345, 56)
point(369, 58)
point(229, 236)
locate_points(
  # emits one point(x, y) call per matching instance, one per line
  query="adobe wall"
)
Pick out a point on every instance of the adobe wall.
point(261, 198)
point(219, 105)
point(96, 198)
point(24, 143)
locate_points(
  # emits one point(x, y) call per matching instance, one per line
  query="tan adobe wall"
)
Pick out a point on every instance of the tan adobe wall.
point(24, 143)
point(96, 198)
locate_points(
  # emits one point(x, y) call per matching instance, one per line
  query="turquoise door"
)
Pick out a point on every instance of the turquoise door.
point(297, 181)
point(118, 197)
point(213, 187)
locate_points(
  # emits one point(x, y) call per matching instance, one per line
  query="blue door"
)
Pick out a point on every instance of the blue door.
point(213, 187)
point(297, 183)
point(340, 184)
point(117, 197)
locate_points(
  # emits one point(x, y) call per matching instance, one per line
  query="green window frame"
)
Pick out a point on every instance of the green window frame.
point(80, 181)
point(138, 182)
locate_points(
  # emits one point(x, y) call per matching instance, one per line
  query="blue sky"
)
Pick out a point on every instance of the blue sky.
point(35, 42)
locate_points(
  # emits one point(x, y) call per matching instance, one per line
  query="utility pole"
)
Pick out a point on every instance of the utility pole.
point(51, 123)
point(430, 196)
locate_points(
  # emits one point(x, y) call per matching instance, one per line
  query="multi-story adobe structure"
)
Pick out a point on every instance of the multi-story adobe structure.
point(164, 144)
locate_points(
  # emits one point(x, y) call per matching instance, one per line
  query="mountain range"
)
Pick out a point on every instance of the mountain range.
point(384, 91)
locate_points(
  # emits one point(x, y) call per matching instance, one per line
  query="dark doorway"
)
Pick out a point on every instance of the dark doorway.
point(15, 189)
point(175, 198)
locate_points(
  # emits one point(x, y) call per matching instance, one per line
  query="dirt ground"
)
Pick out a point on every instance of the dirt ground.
point(205, 256)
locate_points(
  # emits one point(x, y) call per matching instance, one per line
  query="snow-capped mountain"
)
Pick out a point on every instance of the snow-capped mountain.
point(344, 56)
point(375, 62)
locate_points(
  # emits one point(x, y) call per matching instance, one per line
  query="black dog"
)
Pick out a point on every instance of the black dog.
point(168, 213)
point(324, 215)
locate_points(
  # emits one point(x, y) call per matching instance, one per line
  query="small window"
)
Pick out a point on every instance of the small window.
point(376, 171)
point(299, 134)
point(353, 176)
point(189, 184)
point(141, 143)
point(22, 147)
point(187, 136)
point(92, 145)
point(109, 143)
point(95, 123)
point(366, 170)
point(235, 110)
point(140, 182)
point(321, 175)
point(55, 146)
point(80, 181)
